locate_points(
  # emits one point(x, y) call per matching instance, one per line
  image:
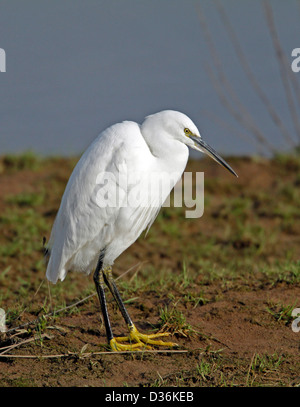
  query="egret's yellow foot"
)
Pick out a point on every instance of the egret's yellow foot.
point(139, 341)
point(116, 346)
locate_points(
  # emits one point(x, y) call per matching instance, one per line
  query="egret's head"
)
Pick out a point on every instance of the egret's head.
point(181, 127)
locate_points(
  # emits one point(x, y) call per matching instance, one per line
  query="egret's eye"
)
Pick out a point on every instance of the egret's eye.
point(187, 131)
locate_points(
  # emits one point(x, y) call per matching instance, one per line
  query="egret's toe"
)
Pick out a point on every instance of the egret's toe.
point(136, 336)
point(117, 345)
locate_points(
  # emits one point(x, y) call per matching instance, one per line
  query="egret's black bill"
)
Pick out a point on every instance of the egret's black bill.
point(205, 148)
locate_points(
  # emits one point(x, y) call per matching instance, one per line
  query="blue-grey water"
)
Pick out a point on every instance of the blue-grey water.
point(73, 67)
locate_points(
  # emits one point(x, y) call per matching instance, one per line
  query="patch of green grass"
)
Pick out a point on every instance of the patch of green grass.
point(194, 299)
point(173, 321)
point(26, 199)
point(26, 230)
point(19, 382)
point(25, 161)
point(287, 271)
point(40, 327)
point(168, 222)
point(266, 363)
point(13, 314)
point(184, 279)
point(206, 369)
point(282, 312)
point(138, 282)
point(237, 207)
point(4, 273)
point(289, 193)
point(251, 237)
point(288, 162)
point(262, 369)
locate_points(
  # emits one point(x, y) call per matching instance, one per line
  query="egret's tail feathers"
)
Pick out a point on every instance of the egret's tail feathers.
point(54, 272)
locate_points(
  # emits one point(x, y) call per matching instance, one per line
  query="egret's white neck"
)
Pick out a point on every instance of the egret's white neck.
point(171, 153)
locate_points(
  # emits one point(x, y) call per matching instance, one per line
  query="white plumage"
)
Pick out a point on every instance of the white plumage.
point(82, 228)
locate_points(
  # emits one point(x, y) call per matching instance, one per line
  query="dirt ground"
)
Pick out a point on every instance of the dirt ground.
point(224, 285)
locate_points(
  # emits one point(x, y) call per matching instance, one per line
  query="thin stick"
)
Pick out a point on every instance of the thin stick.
point(38, 289)
point(8, 348)
point(89, 354)
point(138, 266)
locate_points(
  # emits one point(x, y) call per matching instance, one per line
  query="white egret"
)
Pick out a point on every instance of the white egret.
point(93, 228)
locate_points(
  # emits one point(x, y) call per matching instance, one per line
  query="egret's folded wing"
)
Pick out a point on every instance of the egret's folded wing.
point(81, 216)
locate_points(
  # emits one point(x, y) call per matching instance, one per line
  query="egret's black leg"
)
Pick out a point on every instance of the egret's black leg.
point(99, 283)
point(109, 281)
point(142, 340)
